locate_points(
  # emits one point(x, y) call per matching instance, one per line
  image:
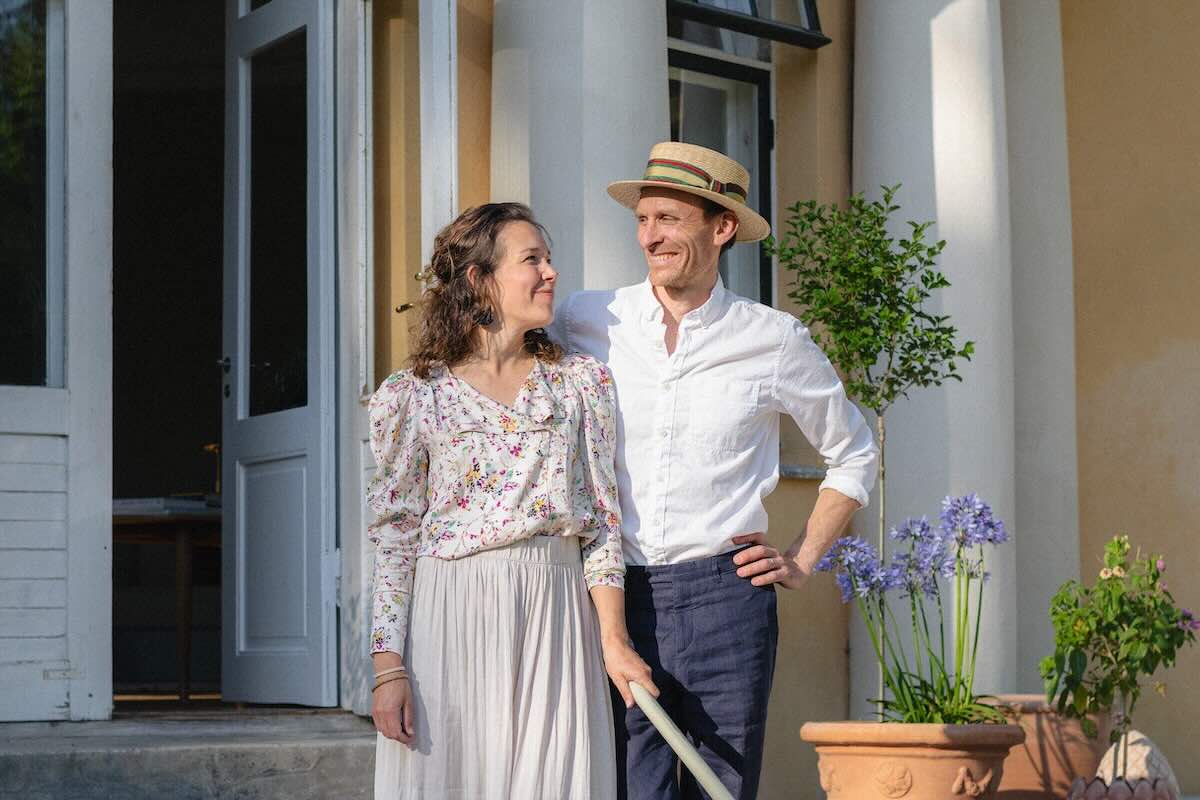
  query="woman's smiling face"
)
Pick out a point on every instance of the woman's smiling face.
point(524, 278)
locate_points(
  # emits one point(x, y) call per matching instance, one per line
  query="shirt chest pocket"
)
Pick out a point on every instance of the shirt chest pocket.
point(720, 416)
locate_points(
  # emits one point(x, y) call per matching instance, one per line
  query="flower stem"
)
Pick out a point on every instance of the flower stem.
point(975, 636)
point(881, 432)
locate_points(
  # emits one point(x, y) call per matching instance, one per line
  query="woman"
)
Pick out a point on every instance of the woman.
point(497, 515)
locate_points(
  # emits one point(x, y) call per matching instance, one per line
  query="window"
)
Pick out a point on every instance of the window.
point(30, 283)
point(741, 24)
point(726, 106)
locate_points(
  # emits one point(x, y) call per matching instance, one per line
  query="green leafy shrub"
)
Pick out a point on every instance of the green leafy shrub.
point(1111, 636)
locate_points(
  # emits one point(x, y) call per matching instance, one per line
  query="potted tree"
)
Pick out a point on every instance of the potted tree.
point(937, 738)
point(1108, 639)
point(863, 293)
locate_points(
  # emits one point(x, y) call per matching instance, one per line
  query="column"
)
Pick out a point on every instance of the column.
point(579, 95)
point(930, 114)
point(1047, 475)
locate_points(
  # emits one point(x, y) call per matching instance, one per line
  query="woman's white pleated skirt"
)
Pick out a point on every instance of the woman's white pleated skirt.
point(511, 696)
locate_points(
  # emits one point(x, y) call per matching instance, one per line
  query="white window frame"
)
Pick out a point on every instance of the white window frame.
point(56, 113)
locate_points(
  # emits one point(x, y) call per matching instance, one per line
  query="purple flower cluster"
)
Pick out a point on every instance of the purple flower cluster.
point(856, 568)
point(1188, 621)
point(932, 554)
point(928, 558)
point(970, 522)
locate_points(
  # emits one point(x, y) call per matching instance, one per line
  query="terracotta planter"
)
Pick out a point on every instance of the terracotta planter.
point(863, 760)
point(1141, 789)
point(1056, 750)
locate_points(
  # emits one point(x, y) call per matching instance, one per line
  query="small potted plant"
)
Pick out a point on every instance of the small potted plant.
point(936, 738)
point(1108, 639)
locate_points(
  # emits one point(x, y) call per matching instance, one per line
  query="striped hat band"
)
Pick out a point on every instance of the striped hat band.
point(668, 170)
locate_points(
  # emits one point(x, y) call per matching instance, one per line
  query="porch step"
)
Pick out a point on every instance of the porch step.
point(229, 755)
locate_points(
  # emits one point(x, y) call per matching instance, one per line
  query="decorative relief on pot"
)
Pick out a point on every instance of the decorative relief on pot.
point(826, 772)
point(893, 779)
point(966, 784)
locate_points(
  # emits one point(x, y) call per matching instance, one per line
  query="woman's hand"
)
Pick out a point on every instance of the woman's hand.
point(392, 710)
point(623, 665)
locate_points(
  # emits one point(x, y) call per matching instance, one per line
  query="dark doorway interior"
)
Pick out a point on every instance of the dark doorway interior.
point(168, 129)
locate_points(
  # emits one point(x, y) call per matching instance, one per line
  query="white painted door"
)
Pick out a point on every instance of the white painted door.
point(278, 522)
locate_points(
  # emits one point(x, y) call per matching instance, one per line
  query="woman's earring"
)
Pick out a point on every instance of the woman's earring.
point(484, 317)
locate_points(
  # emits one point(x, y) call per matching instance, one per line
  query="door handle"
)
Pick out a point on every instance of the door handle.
point(225, 364)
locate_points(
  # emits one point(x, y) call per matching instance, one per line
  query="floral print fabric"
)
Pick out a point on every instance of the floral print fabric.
point(458, 472)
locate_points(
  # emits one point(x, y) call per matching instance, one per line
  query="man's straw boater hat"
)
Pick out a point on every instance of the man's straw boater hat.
point(702, 172)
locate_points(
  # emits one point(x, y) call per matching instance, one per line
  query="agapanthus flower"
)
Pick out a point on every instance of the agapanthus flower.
point(912, 530)
point(974, 569)
point(970, 522)
point(917, 570)
point(856, 566)
point(905, 574)
point(936, 557)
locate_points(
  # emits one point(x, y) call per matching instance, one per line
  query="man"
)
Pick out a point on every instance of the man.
point(702, 376)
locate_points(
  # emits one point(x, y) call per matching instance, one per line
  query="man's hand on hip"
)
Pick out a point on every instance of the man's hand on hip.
point(763, 564)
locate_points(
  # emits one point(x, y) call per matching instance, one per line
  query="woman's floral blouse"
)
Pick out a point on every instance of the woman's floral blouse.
point(459, 472)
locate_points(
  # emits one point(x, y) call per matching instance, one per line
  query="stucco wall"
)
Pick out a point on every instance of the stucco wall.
point(812, 158)
point(1133, 125)
point(396, 148)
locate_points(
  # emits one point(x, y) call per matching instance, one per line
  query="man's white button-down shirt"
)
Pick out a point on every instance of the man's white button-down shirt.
point(698, 429)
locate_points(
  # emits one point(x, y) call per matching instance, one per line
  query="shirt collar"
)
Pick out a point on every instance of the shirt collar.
point(706, 314)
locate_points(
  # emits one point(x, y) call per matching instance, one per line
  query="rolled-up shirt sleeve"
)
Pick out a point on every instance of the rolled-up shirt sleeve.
point(397, 496)
point(603, 564)
point(807, 388)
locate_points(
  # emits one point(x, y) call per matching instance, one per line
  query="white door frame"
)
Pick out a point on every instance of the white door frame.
point(356, 351)
point(88, 260)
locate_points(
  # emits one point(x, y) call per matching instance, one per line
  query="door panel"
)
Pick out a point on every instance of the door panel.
point(278, 604)
point(271, 570)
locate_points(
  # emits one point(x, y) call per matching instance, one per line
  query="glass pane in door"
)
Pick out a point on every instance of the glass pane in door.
point(278, 266)
point(722, 114)
point(23, 192)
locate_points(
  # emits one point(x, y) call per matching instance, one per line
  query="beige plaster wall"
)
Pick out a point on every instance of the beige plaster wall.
point(812, 119)
point(474, 102)
point(1133, 125)
point(397, 145)
point(397, 142)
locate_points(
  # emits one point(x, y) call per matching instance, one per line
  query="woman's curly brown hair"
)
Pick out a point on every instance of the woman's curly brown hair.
point(453, 309)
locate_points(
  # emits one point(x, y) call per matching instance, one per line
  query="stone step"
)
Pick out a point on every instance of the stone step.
point(210, 755)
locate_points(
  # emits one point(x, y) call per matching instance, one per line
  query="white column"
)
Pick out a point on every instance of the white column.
point(1047, 478)
point(930, 113)
point(579, 94)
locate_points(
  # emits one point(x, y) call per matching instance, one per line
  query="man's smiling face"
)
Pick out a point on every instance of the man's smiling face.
point(682, 244)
